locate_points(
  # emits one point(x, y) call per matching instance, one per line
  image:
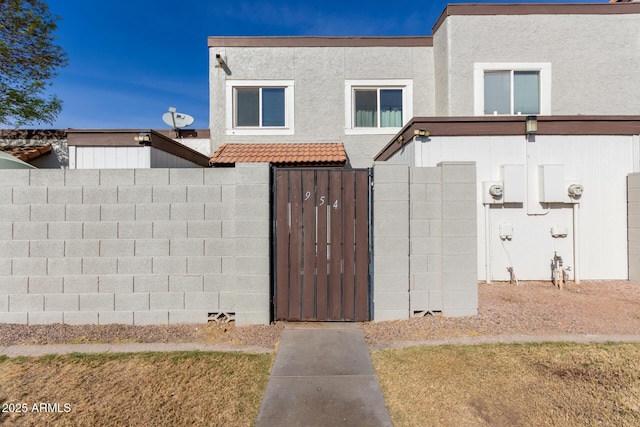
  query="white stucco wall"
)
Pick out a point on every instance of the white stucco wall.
point(319, 75)
point(600, 163)
point(594, 58)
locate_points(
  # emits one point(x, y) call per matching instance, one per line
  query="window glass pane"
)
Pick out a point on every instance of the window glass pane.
point(526, 92)
point(273, 106)
point(390, 108)
point(247, 107)
point(366, 108)
point(497, 93)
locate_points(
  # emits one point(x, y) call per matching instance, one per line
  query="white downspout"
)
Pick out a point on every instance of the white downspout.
point(576, 243)
point(487, 243)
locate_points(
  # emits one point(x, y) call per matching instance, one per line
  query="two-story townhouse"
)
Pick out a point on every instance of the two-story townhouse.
point(468, 90)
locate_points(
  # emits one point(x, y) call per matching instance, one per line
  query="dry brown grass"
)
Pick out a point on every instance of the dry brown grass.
point(508, 385)
point(145, 389)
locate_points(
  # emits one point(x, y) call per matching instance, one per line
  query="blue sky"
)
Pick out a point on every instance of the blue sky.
point(129, 61)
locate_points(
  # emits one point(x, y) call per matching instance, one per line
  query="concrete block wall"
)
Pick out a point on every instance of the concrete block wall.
point(134, 246)
point(425, 256)
point(633, 221)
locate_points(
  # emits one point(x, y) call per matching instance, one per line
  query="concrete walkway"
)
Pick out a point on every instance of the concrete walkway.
point(323, 376)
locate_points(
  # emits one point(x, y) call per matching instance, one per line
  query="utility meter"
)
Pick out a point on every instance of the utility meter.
point(575, 190)
point(495, 190)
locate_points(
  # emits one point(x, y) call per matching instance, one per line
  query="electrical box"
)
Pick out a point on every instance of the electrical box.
point(559, 231)
point(492, 192)
point(506, 231)
point(513, 178)
point(552, 185)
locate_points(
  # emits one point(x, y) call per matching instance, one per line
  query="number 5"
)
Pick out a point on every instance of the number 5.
point(321, 200)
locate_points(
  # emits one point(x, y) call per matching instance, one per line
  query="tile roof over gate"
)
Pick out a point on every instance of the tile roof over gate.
point(26, 152)
point(291, 154)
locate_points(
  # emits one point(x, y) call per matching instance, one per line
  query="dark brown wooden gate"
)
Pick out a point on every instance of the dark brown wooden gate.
point(322, 251)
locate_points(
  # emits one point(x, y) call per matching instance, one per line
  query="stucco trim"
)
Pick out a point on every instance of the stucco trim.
point(293, 41)
point(511, 125)
point(535, 9)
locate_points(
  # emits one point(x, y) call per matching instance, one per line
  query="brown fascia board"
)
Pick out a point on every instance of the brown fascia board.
point(511, 125)
point(234, 41)
point(124, 138)
point(536, 9)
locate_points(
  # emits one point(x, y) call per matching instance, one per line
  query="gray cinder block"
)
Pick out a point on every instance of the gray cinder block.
point(206, 301)
point(134, 265)
point(158, 176)
point(64, 266)
point(99, 266)
point(15, 213)
point(80, 284)
point(46, 177)
point(155, 283)
point(65, 230)
point(29, 230)
point(48, 213)
point(64, 195)
point(30, 195)
point(119, 212)
point(82, 177)
point(157, 317)
point(169, 265)
point(187, 247)
point(115, 317)
point(61, 302)
point(167, 301)
point(135, 230)
point(179, 283)
point(116, 177)
point(134, 194)
point(82, 247)
point(170, 229)
point(204, 265)
point(115, 284)
point(152, 247)
point(187, 211)
point(100, 230)
point(117, 247)
point(29, 266)
point(97, 302)
point(152, 211)
point(99, 195)
point(204, 194)
point(132, 302)
point(46, 248)
point(169, 194)
point(187, 317)
point(44, 318)
point(186, 176)
point(45, 285)
point(80, 318)
point(26, 303)
point(79, 212)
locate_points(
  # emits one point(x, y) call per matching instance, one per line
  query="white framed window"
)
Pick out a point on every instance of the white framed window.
point(259, 107)
point(512, 88)
point(377, 106)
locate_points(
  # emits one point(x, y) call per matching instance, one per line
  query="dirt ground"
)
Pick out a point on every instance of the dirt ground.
point(534, 308)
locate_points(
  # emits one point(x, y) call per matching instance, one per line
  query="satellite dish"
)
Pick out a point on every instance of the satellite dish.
point(177, 120)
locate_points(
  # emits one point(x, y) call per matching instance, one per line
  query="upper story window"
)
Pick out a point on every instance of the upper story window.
point(381, 107)
point(259, 107)
point(512, 88)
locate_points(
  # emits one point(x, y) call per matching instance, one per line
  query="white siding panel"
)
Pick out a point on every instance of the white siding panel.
point(600, 163)
point(112, 157)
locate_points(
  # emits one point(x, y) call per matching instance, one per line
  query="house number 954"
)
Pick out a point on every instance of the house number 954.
point(307, 195)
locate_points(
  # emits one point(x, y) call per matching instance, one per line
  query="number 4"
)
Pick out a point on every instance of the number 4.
point(335, 204)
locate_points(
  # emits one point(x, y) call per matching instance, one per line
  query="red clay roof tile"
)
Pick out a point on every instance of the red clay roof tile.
point(279, 154)
point(26, 152)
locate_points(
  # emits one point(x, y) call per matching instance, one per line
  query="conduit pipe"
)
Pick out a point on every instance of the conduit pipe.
point(487, 242)
point(576, 243)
